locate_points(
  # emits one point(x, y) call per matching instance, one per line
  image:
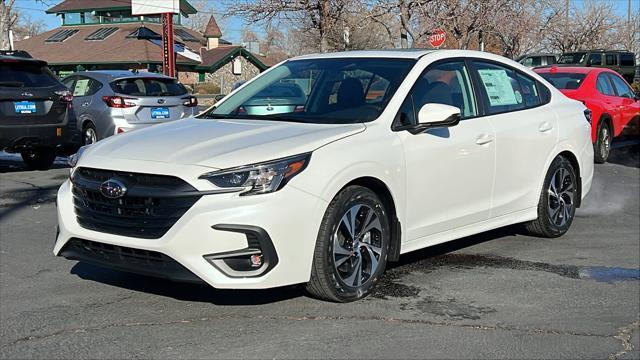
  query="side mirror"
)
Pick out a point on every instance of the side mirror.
point(437, 116)
point(219, 97)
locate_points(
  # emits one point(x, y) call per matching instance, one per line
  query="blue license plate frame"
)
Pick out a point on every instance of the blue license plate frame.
point(160, 113)
point(25, 107)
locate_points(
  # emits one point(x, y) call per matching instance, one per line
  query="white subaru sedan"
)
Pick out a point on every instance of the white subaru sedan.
point(390, 152)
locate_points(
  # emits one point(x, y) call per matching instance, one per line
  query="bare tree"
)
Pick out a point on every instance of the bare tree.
point(199, 20)
point(8, 19)
point(586, 26)
point(27, 27)
point(318, 16)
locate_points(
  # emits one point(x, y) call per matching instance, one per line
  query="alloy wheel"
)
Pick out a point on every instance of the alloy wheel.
point(605, 142)
point(90, 136)
point(357, 245)
point(562, 191)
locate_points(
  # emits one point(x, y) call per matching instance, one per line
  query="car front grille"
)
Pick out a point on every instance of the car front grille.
point(150, 207)
point(139, 261)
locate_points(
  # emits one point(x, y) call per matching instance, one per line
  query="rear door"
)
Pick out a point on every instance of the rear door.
point(30, 94)
point(525, 134)
point(154, 99)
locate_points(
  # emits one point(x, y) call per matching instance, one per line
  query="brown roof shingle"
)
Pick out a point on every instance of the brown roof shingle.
point(117, 48)
point(212, 29)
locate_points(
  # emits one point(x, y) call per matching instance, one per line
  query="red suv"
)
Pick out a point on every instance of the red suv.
point(612, 101)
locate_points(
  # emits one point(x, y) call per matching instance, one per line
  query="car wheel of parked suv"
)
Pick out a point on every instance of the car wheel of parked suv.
point(557, 204)
point(89, 134)
point(603, 143)
point(352, 246)
point(40, 158)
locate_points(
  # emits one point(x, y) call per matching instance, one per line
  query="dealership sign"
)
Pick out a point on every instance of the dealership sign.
point(437, 37)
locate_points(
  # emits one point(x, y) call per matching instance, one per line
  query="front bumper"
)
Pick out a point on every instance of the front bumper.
point(290, 218)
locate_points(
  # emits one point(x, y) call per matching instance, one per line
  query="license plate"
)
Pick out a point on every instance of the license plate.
point(160, 113)
point(25, 107)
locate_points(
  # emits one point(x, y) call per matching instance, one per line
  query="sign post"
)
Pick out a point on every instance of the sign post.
point(168, 53)
point(166, 9)
point(437, 37)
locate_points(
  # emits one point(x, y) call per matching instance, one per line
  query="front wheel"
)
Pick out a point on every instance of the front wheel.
point(602, 147)
point(89, 134)
point(352, 246)
point(557, 204)
point(40, 158)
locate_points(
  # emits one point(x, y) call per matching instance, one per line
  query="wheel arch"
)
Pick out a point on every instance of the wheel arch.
point(382, 190)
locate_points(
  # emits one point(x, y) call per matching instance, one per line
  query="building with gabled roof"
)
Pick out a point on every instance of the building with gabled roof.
point(103, 34)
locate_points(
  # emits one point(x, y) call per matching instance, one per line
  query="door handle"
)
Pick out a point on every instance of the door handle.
point(484, 139)
point(545, 126)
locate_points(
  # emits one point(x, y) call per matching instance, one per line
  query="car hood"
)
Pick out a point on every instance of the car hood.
point(221, 144)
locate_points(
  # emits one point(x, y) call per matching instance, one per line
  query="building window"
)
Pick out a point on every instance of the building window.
point(71, 19)
point(201, 77)
point(89, 18)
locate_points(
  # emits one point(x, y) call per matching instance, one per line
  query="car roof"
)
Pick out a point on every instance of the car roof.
point(119, 74)
point(570, 69)
point(390, 53)
point(11, 58)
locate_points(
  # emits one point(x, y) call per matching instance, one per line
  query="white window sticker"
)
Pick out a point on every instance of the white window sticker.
point(498, 86)
point(81, 87)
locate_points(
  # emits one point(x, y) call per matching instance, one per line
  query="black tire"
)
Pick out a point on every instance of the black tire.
point(327, 280)
point(553, 221)
point(40, 158)
point(602, 147)
point(89, 134)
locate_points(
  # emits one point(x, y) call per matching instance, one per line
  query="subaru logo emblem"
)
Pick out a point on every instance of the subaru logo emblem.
point(27, 94)
point(161, 101)
point(113, 189)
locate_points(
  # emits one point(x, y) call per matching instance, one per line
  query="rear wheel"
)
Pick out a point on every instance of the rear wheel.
point(603, 143)
point(557, 204)
point(40, 158)
point(89, 134)
point(352, 246)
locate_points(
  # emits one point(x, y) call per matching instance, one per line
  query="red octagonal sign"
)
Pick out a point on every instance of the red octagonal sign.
point(437, 38)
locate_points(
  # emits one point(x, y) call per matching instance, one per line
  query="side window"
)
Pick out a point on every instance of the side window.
point(611, 59)
point(407, 114)
point(604, 86)
point(68, 82)
point(529, 91)
point(501, 87)
point(595, 59)
point(551, 60)
point(446, 83)
point(527, 62)
point(626, 59)
point(622, 89)
point(537, 61)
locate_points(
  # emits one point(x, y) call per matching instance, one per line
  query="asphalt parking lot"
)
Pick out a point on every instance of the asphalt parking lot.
point(499, 294)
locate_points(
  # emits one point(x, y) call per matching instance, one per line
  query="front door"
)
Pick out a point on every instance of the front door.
point(450, 170)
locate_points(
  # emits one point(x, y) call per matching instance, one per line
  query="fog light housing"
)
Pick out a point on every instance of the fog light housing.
point(258, 258)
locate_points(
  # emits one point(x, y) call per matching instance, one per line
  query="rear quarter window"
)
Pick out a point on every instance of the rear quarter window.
point(148, 87)
point(25, 74)
point(626, 60)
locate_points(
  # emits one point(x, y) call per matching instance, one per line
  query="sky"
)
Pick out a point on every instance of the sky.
point(231, 28)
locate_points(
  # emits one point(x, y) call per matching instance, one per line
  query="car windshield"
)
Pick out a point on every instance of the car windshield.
point(25, 74)
point(148, 87)
point(566, 81)
point(330, 91)
point(572, 58)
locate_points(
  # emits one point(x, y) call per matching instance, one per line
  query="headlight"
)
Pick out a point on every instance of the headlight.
point(259, 178)
point(72, 160)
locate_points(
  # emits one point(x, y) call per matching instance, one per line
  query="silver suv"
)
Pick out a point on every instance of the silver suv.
point(111, 102)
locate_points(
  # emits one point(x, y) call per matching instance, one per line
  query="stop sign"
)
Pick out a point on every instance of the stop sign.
point(437, 38)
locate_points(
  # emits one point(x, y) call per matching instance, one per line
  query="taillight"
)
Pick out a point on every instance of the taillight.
point(65, 95)
point(299, 108)
point(190, 101)
point(118, 102)
point(241, 110)
point(120, 130)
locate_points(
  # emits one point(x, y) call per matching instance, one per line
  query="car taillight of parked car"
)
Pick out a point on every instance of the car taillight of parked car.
point(299, 108)
point(190, 101)
point(65, 96)
point(588, 115)
point(118, 102)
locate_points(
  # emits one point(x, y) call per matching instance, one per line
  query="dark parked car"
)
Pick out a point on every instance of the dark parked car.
point(622, 62)
point(534, 60)
point(36, 111)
